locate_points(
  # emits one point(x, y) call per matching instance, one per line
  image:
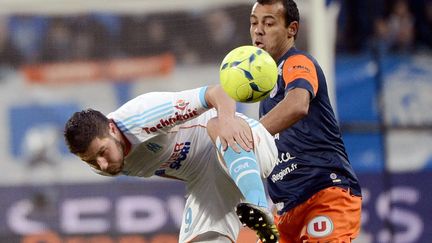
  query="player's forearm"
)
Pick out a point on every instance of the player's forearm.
point(217, 98)
point(278, 120)
point(284, 115)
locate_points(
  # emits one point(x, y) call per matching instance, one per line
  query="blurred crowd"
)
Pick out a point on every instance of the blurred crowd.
point(193, 37)
point(395, 26)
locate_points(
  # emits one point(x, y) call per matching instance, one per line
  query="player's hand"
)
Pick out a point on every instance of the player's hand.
point(234, 132)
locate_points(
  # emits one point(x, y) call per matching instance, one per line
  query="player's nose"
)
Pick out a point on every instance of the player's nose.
point(103, 163)
point(258, 29)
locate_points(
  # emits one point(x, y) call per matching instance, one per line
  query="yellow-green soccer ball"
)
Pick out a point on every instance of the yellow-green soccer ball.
point(248, 74)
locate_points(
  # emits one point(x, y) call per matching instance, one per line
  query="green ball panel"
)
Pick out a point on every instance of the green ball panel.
point(248, 74)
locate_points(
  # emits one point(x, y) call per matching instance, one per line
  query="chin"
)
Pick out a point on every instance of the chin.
point(115, 173)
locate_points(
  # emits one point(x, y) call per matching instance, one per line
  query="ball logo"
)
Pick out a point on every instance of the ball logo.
point(248, 74)
point(320, 226)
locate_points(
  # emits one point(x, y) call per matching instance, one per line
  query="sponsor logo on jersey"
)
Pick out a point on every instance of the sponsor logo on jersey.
point(334, 178)
point(297, 67)
point(284, 158)
point(154, 147)
point(279, 176)
point(180, 153)
point(181, 104)
point(301, 67)
point(320, 226)
point(171, 121)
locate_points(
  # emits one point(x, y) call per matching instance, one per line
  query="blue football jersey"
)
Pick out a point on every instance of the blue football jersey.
point(311, 153)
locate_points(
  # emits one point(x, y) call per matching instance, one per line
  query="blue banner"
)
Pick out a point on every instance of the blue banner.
point(396, 208)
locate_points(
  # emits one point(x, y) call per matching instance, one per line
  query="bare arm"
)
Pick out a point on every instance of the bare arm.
point(291, 109)
point(217, 98)
point(229, 129)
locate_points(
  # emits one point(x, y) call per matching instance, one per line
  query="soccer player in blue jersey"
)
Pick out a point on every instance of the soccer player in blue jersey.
point(314, 187)
point(193, 136)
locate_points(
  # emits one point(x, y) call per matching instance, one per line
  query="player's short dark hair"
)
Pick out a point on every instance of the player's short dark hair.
point(291, 10)
point(83, 127)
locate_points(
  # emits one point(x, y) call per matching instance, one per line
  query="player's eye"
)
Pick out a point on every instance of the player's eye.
point(102, 152)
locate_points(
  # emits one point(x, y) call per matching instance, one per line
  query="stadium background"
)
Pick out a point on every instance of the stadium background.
point(57, 57)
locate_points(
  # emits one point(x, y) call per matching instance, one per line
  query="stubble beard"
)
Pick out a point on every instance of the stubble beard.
point(121, 146)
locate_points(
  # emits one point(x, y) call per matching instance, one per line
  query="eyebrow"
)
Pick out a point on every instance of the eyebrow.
point(266, 17)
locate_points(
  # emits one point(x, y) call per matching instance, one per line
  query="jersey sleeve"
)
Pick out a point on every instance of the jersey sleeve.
point(156, 113)
point(299, 71)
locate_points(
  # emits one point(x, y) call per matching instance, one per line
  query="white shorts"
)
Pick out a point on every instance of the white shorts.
point(210, 205)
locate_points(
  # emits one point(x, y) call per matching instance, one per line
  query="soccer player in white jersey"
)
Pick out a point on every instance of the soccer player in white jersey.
point(194, 136)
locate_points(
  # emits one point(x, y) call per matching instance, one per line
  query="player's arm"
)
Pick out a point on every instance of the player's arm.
point(301, 82)
point(230, 130)
point(291, 109)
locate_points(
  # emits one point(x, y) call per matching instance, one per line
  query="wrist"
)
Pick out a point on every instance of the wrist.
point(226, 114)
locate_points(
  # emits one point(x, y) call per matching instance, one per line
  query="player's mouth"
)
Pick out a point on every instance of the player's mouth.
point(259, 44)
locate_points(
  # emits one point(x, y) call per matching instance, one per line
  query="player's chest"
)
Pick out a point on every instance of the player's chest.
point(162, 153)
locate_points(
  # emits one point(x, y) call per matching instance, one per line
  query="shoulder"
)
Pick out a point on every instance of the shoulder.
point(147, 103)
point(298, 65)
point(299, 61)
point(300, 70)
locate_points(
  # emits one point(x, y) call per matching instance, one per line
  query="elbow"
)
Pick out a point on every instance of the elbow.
point(301, 112)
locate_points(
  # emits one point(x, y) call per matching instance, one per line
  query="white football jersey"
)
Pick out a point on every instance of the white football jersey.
point(167, 131)
point(155, 124)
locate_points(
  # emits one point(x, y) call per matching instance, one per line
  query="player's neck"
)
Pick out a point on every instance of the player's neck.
point(286, 47)
point(127, 146)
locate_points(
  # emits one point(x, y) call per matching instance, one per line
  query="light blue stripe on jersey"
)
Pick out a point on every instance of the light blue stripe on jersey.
point(202, 96)
point(148, 115)
point(121, 127)
point(137, 116)
point(154, 117)
point(252, 123)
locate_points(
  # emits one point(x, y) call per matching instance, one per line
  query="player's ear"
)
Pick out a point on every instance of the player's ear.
point(112, 128)
point(293, 29)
